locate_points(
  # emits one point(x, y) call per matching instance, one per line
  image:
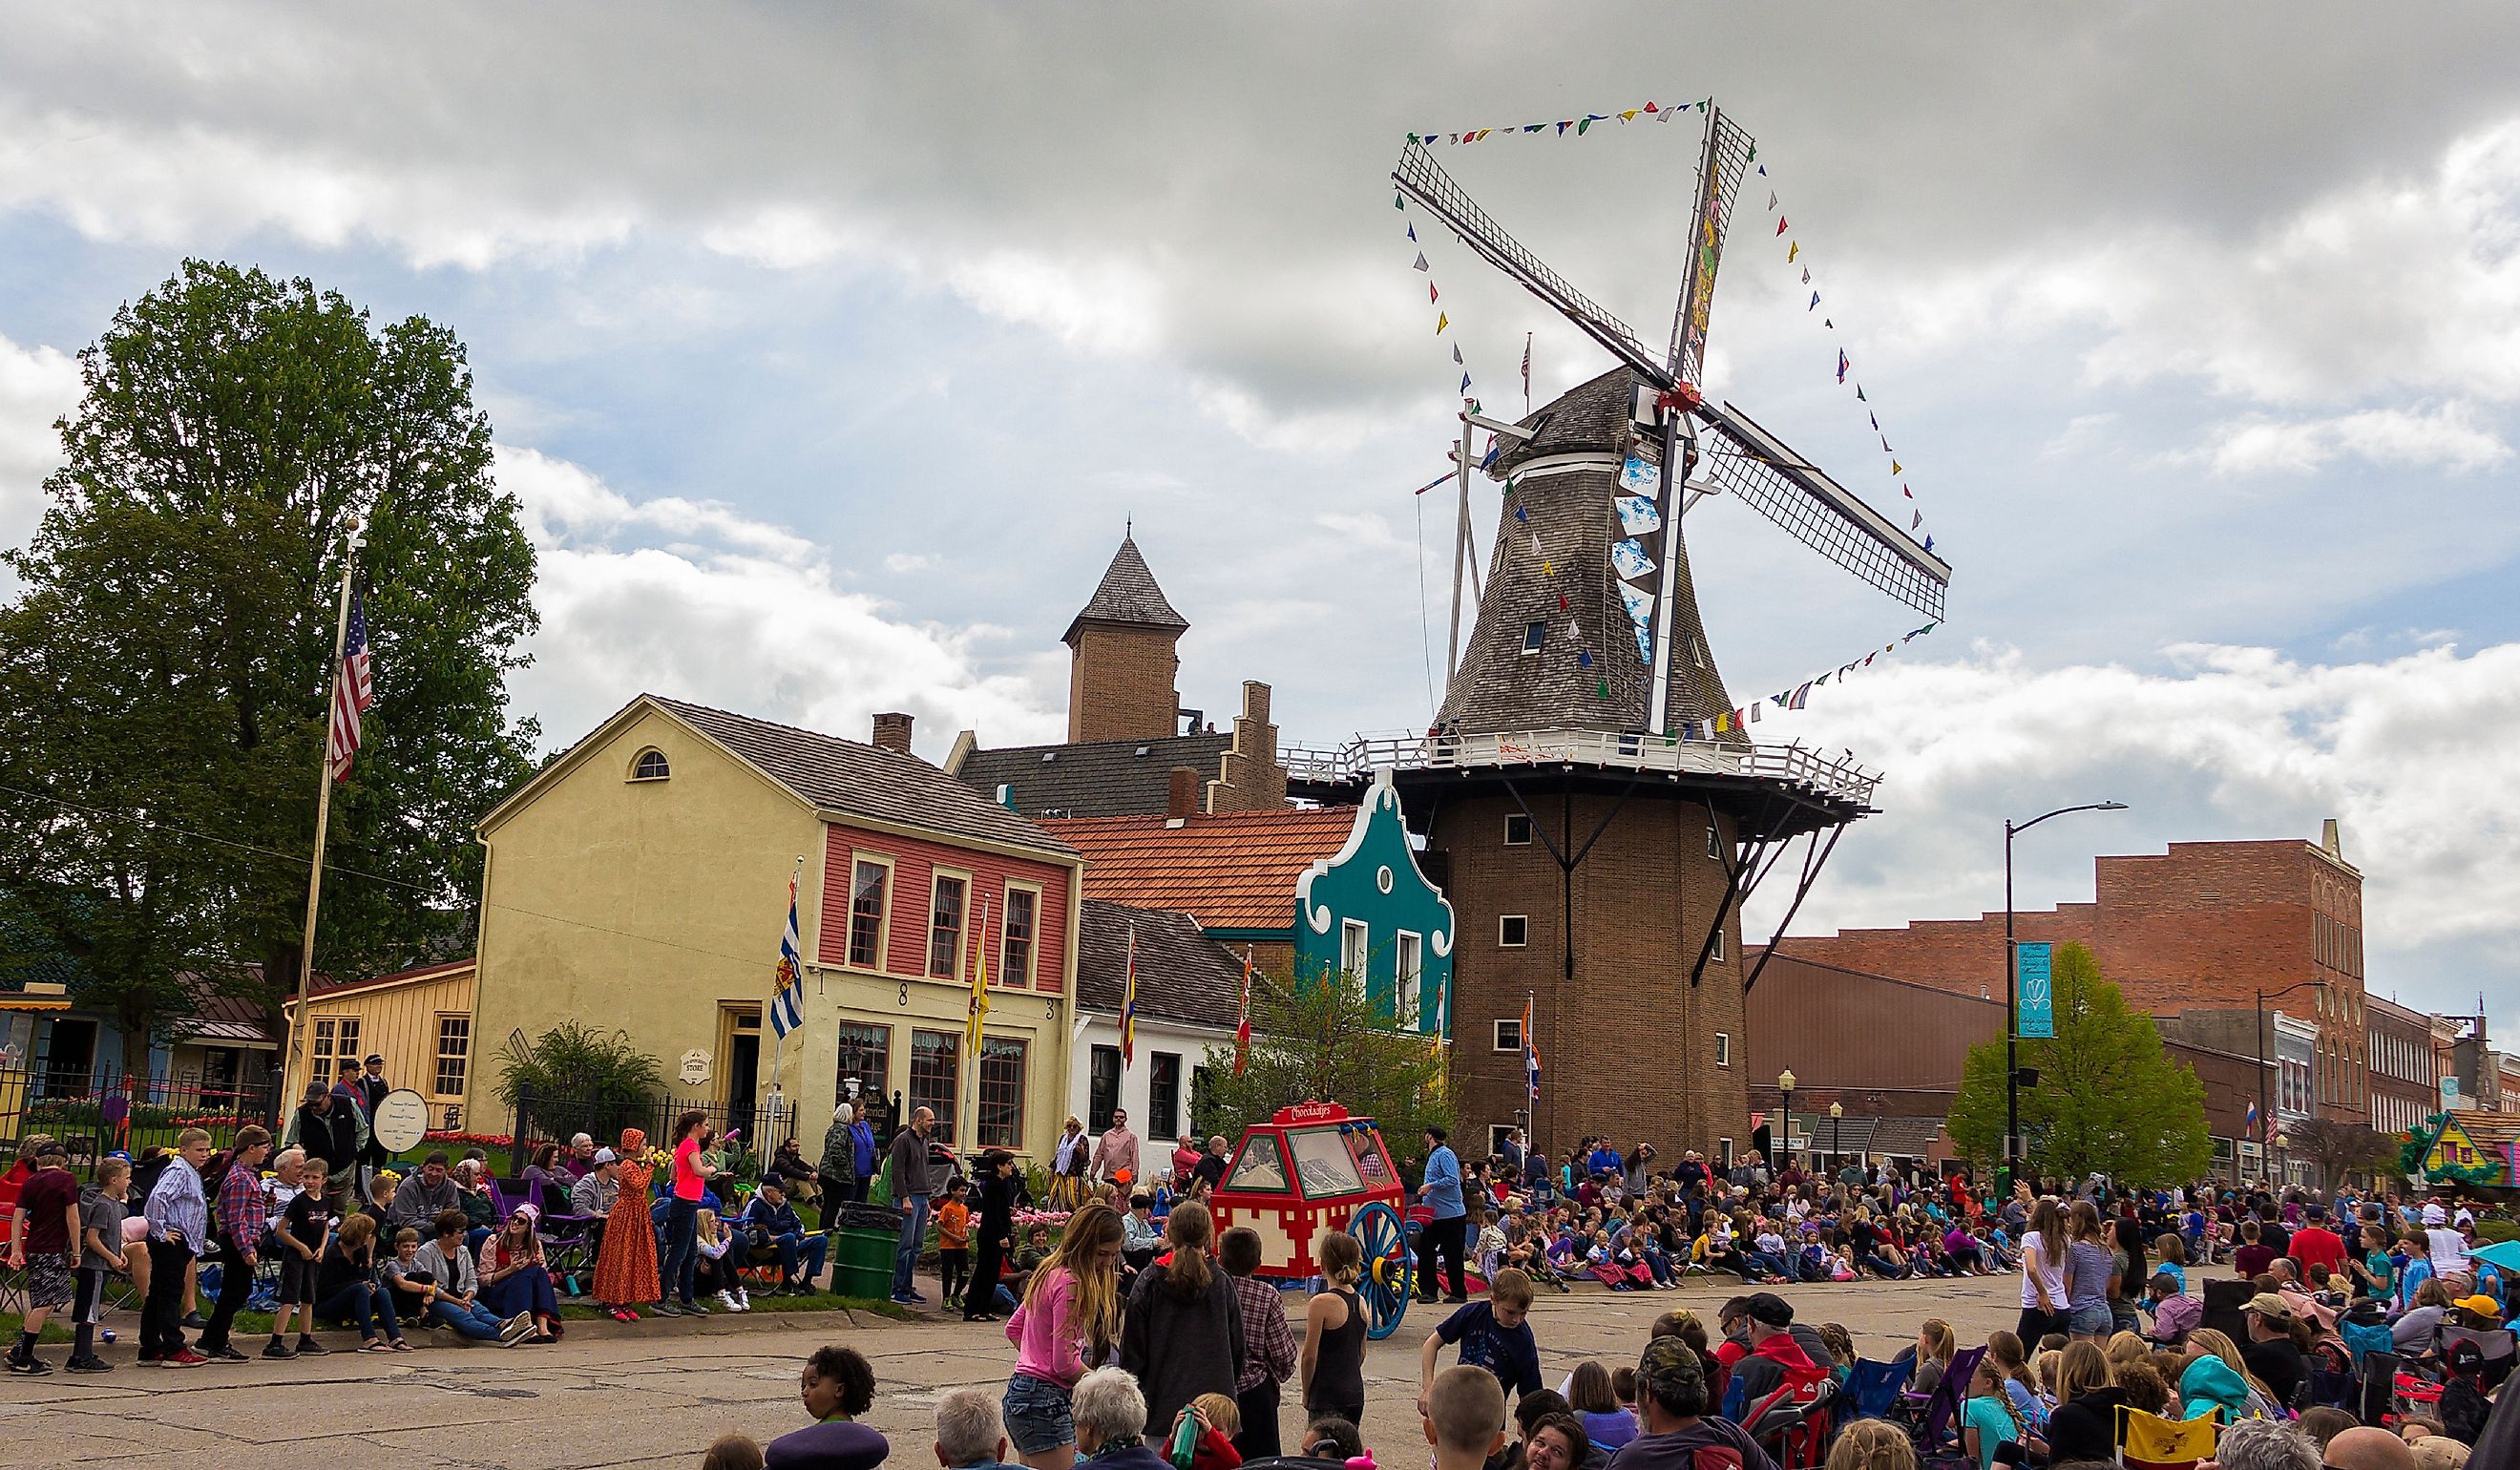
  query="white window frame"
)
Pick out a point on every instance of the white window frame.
point(1498, 1135)
point(438, 1055)
point(1510, 840)
point(861, 857)
point(1408, 975)
point(1032, 941)
point(937, 879)
point(1724, 1048)
point(1534, 634)
point(1356, 949)
point(1717, 952)
point(1498, 1030)
point(640, 759)
point(1504, 919)
point(1714, 843)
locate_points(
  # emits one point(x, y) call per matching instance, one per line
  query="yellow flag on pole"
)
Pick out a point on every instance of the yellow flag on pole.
point(979, 984)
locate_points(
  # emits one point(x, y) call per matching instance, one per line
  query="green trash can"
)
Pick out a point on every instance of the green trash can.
point(864, 1247)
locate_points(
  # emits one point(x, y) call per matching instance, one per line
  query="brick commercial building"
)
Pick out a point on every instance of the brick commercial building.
point(2205, 924)
point(1891, 1051)
point(2406, 1069)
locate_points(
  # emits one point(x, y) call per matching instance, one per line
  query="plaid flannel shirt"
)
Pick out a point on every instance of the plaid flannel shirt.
point(245, 1211)
point(1267, 1343)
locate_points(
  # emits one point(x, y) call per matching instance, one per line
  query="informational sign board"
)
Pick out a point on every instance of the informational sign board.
point(2036, 995)
point(695, 1071)
point(401, 1121)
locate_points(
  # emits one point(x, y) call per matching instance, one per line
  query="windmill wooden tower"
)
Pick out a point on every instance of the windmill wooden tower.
point(1599, 832)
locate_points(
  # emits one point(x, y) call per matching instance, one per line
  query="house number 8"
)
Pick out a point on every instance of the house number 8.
point(905, 992)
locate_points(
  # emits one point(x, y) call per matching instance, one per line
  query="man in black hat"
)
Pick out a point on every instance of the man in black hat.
point(373, 1088)
point(1772, 1350)
point(1681, 1430)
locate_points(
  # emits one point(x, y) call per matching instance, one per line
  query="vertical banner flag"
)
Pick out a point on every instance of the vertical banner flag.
point(2037, 1001)
point(353, 689)
point(979, 1007)
point(1128, 1006)
point(1242, 1025)
point(1530, 1054)
point(788, 982)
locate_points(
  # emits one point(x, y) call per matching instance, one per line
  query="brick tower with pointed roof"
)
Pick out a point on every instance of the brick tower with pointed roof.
point(1122, 661)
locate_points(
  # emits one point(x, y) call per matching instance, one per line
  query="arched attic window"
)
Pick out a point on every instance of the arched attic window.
point(650, 765)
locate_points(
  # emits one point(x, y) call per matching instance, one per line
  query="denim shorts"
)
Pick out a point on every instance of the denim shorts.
point(1038, 1415)
point(2092, 1319)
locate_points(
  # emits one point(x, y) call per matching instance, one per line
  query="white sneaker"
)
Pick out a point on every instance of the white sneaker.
point(515, 1329)
point(742, 1299)
point(725, 1299)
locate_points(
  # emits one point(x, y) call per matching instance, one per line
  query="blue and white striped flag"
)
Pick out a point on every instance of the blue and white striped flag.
point(787, 993)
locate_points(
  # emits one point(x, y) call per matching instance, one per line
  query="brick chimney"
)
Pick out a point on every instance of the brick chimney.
point(893, 731)
point(1181, 798)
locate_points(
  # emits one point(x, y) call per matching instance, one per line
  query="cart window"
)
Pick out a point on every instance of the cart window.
point(1371, 1165)
point(1261, 1166)
point(1324, 1162)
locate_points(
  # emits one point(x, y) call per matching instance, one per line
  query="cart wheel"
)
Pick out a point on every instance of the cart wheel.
point(1388, 1271)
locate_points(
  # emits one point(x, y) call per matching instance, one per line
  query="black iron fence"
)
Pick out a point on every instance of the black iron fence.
point(537, 1119)
point(107, 1111)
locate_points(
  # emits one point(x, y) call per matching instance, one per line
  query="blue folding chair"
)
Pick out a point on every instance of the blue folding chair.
point(1873, 1387)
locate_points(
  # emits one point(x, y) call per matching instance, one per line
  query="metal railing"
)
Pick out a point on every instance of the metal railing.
point(97, 1111)
point(1795, 765)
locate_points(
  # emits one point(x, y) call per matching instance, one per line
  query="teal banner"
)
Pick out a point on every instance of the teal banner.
point(2036, 993)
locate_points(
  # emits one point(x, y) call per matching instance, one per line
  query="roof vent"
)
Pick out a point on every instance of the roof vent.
point(1048, 756)
point(1142, 749)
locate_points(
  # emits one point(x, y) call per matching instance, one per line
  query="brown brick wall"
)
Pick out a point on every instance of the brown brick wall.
point(1120, 684)
point(2203, 924)
point(1250, 779)
point(1627, 1047)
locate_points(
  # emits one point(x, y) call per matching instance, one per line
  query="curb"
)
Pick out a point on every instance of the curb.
point(344, 1341)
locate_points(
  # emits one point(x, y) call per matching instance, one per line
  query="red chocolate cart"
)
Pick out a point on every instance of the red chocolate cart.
point(1313, 1169)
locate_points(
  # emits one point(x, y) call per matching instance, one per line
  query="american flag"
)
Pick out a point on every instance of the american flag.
point(353, 691)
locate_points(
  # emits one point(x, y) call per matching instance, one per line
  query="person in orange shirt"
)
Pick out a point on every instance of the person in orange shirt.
point(954, 1241)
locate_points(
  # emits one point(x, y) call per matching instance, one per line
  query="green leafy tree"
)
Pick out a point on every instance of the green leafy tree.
point(2109, 1099)
point(1326, 1042)
point(165, 669)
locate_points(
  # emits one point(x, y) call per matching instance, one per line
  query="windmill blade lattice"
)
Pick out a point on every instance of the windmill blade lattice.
point(1755, 465)
point(1728, 158)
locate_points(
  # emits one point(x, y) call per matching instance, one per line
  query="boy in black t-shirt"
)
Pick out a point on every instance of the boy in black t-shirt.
point(306, 1228)
point(1494, 1334)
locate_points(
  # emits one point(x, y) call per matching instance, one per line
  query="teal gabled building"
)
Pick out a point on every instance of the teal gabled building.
point(1369, 910)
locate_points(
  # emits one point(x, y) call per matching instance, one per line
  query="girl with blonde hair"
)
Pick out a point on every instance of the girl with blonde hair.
point(1331, 1369)
point(1068, 1323)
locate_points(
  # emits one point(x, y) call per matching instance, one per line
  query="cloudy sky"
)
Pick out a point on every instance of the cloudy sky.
point(830, 347)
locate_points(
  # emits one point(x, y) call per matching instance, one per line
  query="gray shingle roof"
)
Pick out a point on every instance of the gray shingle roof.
point(1092, 777)
point(1551, 566)
point(1128, 594)
point(1183, 975)
point(864, 780)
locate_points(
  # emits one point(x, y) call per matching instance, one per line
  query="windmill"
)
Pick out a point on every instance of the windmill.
point(1697, 449)
point(1596, 842)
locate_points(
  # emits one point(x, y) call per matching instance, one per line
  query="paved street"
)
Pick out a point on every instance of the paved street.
point(659, 1393)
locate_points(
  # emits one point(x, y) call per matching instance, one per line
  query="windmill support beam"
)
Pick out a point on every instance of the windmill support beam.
point(1815, 858)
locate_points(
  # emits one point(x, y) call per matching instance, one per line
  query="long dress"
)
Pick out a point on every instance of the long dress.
point(625, 1270)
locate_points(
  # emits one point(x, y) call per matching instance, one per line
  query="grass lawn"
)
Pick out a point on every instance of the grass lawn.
point(258, 1324)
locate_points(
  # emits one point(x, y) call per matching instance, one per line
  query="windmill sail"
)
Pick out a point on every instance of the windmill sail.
point(1423, 179)
point(1750, 462)
point(1727, 156)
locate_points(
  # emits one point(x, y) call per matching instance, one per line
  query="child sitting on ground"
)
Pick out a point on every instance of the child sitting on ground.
point(2175, 1313)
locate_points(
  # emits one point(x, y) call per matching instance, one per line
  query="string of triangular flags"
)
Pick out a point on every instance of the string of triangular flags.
point(1796, 696)
point(1845, 367)
point(1524, 540)
point(1435, 296)
point(1578, 126)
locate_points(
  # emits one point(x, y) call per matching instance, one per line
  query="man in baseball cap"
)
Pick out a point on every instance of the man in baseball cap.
point(1681, 1430)
point(1773, 1350)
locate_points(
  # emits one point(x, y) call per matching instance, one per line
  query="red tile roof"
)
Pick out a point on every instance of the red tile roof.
point(1232, 871)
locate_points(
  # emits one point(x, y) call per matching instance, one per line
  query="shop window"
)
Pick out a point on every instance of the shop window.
point(935, 1078)
point(1002, 1092)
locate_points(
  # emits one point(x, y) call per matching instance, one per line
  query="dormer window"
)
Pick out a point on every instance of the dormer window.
point(650, 765)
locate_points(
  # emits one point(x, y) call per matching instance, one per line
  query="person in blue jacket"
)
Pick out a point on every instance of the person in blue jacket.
point(1440, 1190)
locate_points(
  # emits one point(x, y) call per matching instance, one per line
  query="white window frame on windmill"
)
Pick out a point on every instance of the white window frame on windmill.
point(1517, 821)
point(1534, 634)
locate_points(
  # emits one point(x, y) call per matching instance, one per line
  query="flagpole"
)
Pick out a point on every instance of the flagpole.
point(779, 1037)
point(976, 1018)
point(323, 822)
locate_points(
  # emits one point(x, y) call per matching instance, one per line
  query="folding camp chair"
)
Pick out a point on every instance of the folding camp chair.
point(1935, 1426)
point(2495, 1348)
point(1873, 1388)
point(1791, 1420)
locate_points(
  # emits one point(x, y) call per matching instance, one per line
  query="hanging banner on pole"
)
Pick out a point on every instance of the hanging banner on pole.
point(2036, 992)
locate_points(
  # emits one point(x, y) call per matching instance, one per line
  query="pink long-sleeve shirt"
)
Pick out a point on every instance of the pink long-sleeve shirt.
point(1047, 1347)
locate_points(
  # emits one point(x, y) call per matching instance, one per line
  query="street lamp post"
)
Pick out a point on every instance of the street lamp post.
point(2266, 1099)
point(2282, 1142)
point(1836, 1110)
point(1785, 1138)
point(2012, 986)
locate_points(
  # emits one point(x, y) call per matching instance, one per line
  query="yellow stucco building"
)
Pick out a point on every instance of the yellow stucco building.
point(641, 882)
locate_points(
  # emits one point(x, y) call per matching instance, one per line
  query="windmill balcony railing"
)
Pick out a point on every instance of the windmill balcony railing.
point(1840, 779)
